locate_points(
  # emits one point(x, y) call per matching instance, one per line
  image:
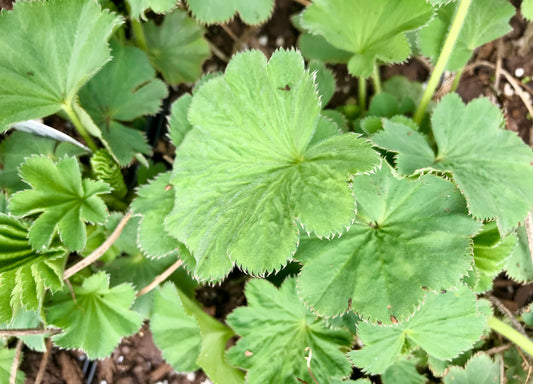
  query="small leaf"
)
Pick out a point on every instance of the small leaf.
point(485, 21)
point(139, 7)
point(104, 168)
point(24, 319)
point(41, 72)
point(402, 230)
point(519, 266)
point(371, 31)
point(180, 58)
point(178, 124)
point(446, 325)
point(278, 333)
point(403, 371)
point(527, 9)
point(25, 274)
point(7, 356)
point(325, 81)
point(220, 12)
point(473, 146)
point(97, 308)
point(132, 90)
point(154, 202)
point(480, 369)
point(63, 198)
point(249, 173)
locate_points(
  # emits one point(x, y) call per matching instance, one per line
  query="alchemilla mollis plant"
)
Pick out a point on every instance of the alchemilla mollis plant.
point(396, 216)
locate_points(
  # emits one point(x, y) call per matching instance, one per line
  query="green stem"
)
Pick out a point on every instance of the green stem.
point(362, 95)
point(67, 107)
point(511, 334)
point(139, 34)
point(376, 78)
point(458, 76)
point(443, 59)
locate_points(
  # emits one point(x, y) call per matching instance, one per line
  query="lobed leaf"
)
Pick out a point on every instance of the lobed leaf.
point(42, 72)
point(490, 165)
point(485, 21)
point(180, 58)
point(278, 333)
point(97, 308)
point(480, 369)
point(132, 90)
point(446, 325)
point(371, 31)
point(403, 371)
point(220, 12)
point(247, 173)
point(519, 265)
point(139, 7)
point(62, 198)
point(178, 125)
point(402, 230)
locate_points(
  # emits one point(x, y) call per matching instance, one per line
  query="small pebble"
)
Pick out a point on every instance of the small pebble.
point(120, 359)
point(162, 382)
point(519, 72)
point(190, 376)
point(262, 40)
point(103, 382)
point(508, 90)
point(280, 40)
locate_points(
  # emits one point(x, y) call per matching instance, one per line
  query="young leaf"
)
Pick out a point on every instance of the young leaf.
point(278, 333)
point(490, 165)
point(371, 31)
point(490, 253)
point(63, 198)
point(6, 362)
point(155, 201)
point(106, 169)
point(132, 90)
point(485, 21)
point(249, 174)
point(25, 274)
point(170, 325)
point(98, 318)
point(446, 325)
point(176, 48)
point(178, 125)
point(139, 7)
point(220, 12)
point(519, 266)
point(41, 72)
point(15, 148)
point(480, 369)
point(402, 231)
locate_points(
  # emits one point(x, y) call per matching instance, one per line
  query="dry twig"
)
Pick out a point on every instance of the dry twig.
point(159, 279)
point(16, 361)
point(44, 362)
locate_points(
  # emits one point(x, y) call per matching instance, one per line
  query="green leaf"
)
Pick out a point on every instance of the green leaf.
point(97, 308)
point(527, 9)
point(402, 230)
point(155, 201)
point(139, 7)
point(132, 90)
point(178, 124)
point(408, 93)
point(220, 12)
point(6, 361)
point(171, 326)
point(485, 21)
point(278, 333)
point(18, 146)
point(325, 81)
point(371, 31)
point(3, 204)
point(403, 372)
point(477, 151)
point(63, 198)
point(446, 325)
point(176, 48)
point(106, 169)
point(41, 72)
point(249, 174)
point(25, 274)
point(514, 370)
point(519, 266)
point(23, 319)
point(490, 254)
point(315, 47)
point(480, 369)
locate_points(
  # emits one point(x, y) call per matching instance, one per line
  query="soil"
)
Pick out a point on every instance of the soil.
point(136, 359)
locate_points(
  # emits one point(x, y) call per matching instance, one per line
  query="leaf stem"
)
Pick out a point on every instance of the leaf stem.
point(67, 107)
point(138, 31)
point(457, 78)
point(447, 49)
point(98, 252)
point(159, 279)
point(510, 333)
point(376, 78)
point(362, 95)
